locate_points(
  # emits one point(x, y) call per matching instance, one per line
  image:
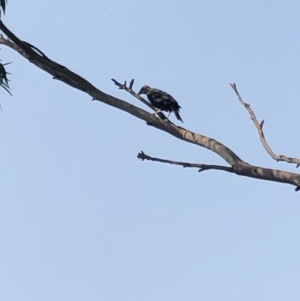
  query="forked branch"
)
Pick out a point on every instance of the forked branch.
point(259, 127)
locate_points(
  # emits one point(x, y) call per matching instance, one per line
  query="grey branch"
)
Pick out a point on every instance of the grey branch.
point(259, 127)
point(201, 167)
point(238, 166)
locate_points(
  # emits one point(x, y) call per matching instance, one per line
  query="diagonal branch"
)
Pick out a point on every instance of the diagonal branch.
point(201, 167)
point(261, 135)
point(59, 72)
point(70, 78)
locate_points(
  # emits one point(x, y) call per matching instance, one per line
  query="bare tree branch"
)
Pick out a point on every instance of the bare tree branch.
point(238, 166)
point(261, 135)
point(201, 167)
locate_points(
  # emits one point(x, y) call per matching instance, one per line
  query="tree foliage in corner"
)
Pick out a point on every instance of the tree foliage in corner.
point(2, 6)
point(3, 72)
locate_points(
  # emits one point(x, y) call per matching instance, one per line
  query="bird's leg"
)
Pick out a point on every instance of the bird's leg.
point(160, 111)
point(157, 112)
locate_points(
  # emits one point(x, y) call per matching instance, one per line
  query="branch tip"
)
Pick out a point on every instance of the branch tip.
point(141, 155)
point(233, 86)
point(131, 84)
point(259, 127)
point(262, 123)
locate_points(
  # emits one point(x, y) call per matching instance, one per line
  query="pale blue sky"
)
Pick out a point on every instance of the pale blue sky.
point(82, 219)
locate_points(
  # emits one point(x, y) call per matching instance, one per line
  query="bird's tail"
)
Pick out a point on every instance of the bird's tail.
point(177, 115)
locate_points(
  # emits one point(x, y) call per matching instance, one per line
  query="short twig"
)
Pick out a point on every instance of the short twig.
point(36, 49)
point(201, 167)
point(259, 127)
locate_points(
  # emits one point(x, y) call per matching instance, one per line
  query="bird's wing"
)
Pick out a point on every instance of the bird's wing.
point(163, 95)
point(170, 104)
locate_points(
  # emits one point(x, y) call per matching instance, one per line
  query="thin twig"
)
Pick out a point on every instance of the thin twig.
point(261, 135)
point(201, 167)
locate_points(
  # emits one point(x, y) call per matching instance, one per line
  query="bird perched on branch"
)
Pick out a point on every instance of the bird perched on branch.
point(161, 100)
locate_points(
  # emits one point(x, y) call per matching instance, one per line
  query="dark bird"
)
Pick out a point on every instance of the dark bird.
point(161, 100)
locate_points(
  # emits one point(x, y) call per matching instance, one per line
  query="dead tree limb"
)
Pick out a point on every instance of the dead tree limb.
point(201, 167)
point(259, 127)
point(59, 72)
